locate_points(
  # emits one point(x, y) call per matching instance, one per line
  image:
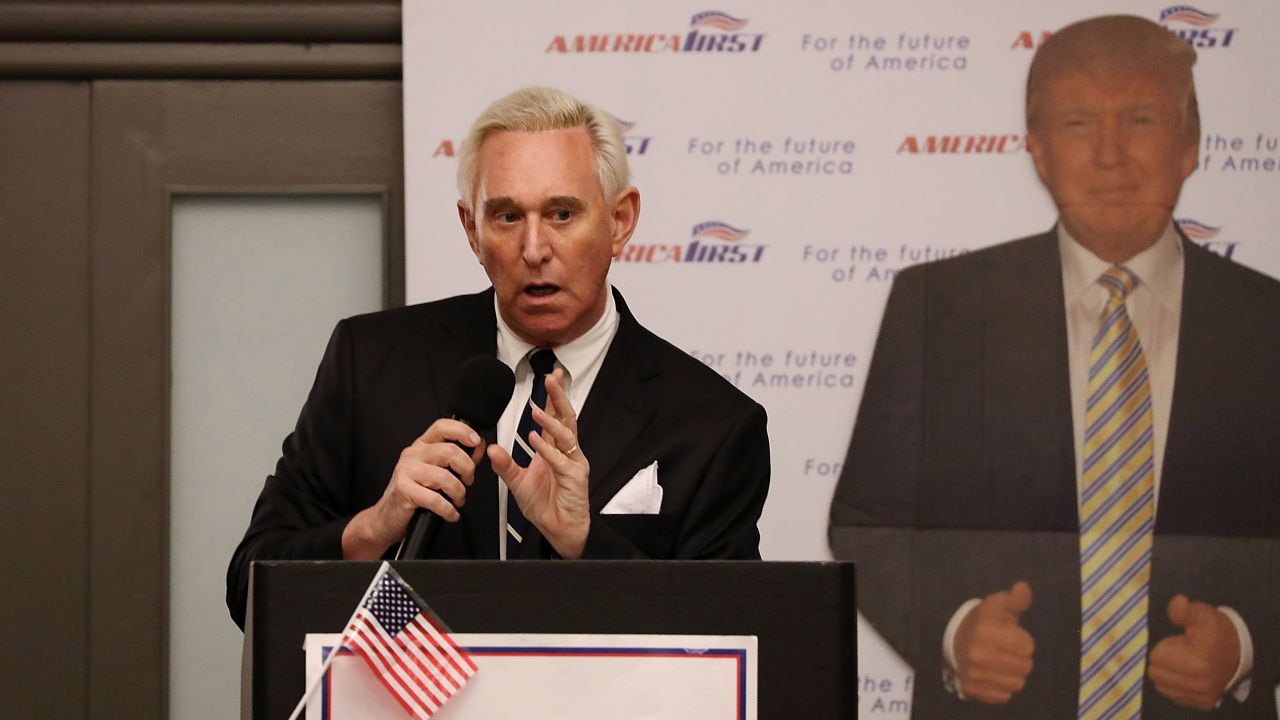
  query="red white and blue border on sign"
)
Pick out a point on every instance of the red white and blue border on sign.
point(737, 655)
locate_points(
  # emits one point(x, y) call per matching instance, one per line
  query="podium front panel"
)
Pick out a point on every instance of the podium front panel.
point(802, 613)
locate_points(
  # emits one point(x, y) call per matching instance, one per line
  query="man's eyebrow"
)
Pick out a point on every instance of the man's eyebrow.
point(502, 203)
point(1149, 106)
point(568, 201)
point(493, 205)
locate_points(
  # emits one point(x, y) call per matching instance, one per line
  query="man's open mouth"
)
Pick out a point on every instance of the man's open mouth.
point(541, 290)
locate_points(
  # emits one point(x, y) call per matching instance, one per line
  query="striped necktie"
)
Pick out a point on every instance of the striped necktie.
point(542, 362)
point(1117, 513)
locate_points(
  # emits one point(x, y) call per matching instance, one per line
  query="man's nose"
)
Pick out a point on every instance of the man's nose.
point(1109, 144)
point(534, 246)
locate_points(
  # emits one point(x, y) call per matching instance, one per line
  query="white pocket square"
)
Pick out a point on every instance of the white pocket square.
point(642, 495)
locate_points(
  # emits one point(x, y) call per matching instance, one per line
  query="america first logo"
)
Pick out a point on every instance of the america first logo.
point(710, 31)
point(1196, 26)
point(982, 144)
point(634, 144)
point(712, 241)
point(1206, 236)
point(1186, 21)
point(1029, 40)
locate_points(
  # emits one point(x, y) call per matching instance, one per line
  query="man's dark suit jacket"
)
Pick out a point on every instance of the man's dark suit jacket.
point(960, 477)
point(385, 378)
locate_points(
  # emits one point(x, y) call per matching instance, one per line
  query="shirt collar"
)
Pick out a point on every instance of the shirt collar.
point(575, 355)
point(1159, 267)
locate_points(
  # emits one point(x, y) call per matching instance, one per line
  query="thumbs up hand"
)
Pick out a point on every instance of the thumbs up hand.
point(993, 652)
point(1193, 668)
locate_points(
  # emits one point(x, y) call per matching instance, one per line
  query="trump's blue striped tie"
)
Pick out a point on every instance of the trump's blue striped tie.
point(1117, 513)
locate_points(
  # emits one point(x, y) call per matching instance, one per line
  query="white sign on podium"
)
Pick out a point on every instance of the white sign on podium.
point(565, 677)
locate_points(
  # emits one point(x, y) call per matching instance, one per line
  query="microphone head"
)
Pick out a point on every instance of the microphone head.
point(481, 392)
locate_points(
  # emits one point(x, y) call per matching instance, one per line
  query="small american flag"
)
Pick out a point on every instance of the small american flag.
point(407, 648)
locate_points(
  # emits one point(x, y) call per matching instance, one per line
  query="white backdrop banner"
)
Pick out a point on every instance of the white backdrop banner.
point(791, 158)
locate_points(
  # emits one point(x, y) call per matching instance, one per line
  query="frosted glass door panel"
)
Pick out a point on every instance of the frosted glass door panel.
point(257, 283)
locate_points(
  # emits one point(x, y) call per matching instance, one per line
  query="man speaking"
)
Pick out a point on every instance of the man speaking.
point(614, 443)
point(1084, 421)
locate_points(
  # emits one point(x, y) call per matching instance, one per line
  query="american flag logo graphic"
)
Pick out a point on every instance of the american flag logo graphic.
point(718, 20)
point(719, 231)
point(1188, 15)
point(1197, 230)
point(407, 648)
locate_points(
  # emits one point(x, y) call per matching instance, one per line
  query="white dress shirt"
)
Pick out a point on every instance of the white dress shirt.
point(1155, 309)
point(580, 359)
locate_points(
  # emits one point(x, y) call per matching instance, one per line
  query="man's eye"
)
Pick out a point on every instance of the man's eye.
point(563, 215)
point(507, 217)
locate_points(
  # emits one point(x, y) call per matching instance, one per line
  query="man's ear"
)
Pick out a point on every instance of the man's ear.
point(625, 213)
point(468, 220)
point(1036, 147)
point(1190, 159)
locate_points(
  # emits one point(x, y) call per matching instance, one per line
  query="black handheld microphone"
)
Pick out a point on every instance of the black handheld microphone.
point(480, 394)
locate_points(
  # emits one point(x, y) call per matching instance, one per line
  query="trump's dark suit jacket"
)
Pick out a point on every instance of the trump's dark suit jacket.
point(960, 477)
point(385, 378)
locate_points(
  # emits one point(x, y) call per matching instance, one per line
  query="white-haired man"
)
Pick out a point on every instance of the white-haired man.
point(546, 204)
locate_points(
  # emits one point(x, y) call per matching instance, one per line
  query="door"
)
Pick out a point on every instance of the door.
point(111, 120)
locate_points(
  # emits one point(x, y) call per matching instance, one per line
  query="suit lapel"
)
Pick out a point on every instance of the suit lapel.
point(1196, 350)
point(1028, 424)
point(620, 406)
point(469, 331)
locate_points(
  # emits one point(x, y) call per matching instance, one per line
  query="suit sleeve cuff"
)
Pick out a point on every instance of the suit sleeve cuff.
point(1241, 682)
point(605, 544)
point(950, 668)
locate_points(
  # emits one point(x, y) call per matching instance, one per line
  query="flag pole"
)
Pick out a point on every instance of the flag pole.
point(302, 702)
